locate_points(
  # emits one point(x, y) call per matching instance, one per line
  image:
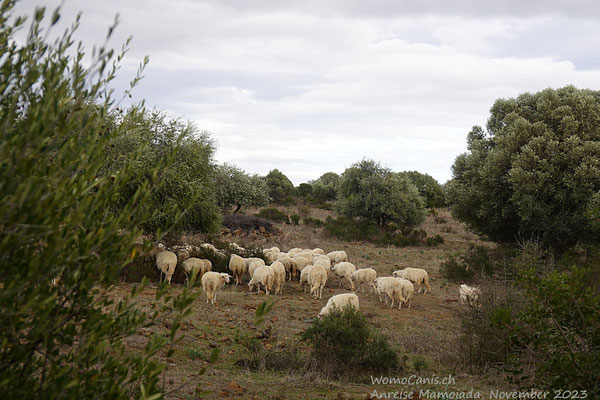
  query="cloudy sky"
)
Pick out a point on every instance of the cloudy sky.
point(310, 86)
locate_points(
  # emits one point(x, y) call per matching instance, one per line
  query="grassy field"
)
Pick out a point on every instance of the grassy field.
point(426, 335)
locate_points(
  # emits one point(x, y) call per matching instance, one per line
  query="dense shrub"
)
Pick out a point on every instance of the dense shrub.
point(295, 219)
point(324, 189)
point(344, 344)
point(474, 264)
point(434, 241)
point(247, 223)
point(273, 214)
point(281, 189)
point(314, 222)
point(429, 189)
point(234, 187)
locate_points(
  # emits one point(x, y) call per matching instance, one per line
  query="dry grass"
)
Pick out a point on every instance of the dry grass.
point(426, 333)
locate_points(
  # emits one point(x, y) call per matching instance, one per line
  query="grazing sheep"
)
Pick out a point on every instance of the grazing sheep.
point(325, 263)
point(279, 278)
point(212, 282)
point(248, 261)
point(183, 255)
point(253, 265)
point(289, 264)
point(238, 267)
point(408, 290)
point(337, 256)
point(301, 262)
point(272, 250)
point(195, 264)
point(317, 250)
point(390, 286)
point(417, 276)
point(166, 261)
point(304, 276)
point(271, 256)
point(317, 278)
point(263, 275)
point(469, 295)
point(362, 277)
point(339, 301)
point(344, 270)
point(306, 254)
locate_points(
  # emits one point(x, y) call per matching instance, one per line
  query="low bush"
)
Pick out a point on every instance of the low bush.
point(247, 223)
point(434, 241)
point(344, 345)
point(314, 222)
point(295, 218)
point(273, 214)
point(472, 265)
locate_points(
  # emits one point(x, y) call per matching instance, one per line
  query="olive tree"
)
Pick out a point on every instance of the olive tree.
point(281, 189)
point(234, 187)
point(534, 172)
point(325, 188)
point(428, 188)
point(65, 234)
point(373, 193)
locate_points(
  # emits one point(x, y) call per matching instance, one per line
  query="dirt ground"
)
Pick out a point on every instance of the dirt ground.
point(426, 334)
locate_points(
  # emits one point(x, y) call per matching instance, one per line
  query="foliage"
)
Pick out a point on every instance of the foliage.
point(187, 183)
point(314, 222)
point(295, 219)
point(472, 265)
point(535, 171)
point(281, 189)
point(247, 223)
point(304, 190)
point(273, 214)
point(429, 189)
point(234, 187)
point(325, 188)
point(65, 231)
point(343, 344)
point(373, 193)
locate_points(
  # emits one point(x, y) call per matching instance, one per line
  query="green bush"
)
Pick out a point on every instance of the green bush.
point(314, 222)
point(476, 263)
point(247, 223)
point(66, 231)
point(344, 344)
point(434, 241)
point(273, 214)
point(295, 218)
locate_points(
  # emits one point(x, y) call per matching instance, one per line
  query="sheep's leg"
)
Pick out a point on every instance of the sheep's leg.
point(392, 305)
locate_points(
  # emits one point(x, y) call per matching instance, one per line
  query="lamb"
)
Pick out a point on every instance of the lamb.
point(337, 256)
point(344, 270)
point(166, 261)
point(317, 278)
point(304, 276)
point(238, 267)
point(339, 301)
point(390, 286)
point(201, 266)
point(279, 278)
point(415, 275)
point(469, 295)
point(253, 265)
point(263, 275)
point(362, 277)
point(212, 283)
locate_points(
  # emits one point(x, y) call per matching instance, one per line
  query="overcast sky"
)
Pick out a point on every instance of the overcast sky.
point(313, 86)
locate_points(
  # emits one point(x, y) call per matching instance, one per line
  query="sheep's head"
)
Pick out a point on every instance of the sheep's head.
point(225, 277)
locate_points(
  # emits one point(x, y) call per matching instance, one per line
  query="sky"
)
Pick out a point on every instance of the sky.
point(311, 86)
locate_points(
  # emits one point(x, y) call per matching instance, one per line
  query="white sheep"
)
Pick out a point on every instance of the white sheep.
point(344, 270)
point(317, 278)
point(263, 275)
point(238, 247)
point(289, 264)
point(212, 282)
point(279, 278)
point(238, 267)
point(339, 301)
point(166, 262)
point(249, 260)
point(325, 263)
point(469, 295)
point(337, 256)
point(417, 276)
point(253, 265)
point(201, 266)
point(391, 287)
point(271, 256)
point(317, 251)
point(362, 277)
point(301, 262)
point(272, 250)
point(306, 254)
point(304, 276)
point(408, 290)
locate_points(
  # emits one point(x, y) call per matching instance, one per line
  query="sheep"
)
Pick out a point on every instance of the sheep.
point(238, 267)
point(301, 262)
point(415, 275)
point(390, 286)
point(337, 256)
point(306, 254)
point(339, 301)
point(289, 264)
point(325, 263)
point(344, 270)
point(212, 283)
point(272, 250)
point(166, 261)
point(248, 261)
point(304, 276)
point(195, 264)
point(408, 290)
point(362, 277)
point(317, 250)
point(469, 295)
point(183, 254)
point(271, 256)
point(317, 278)
point(279, 278)
point(263, 275)
point(237, 247)
point(253, 265)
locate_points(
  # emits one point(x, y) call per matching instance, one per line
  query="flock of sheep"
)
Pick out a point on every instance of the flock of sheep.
point(312, 267)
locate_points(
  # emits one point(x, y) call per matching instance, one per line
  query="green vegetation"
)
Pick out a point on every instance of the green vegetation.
point(234, 187)
point(429, 189)
point(325, 188)
point(344, 344)
point(281, 189)
point(69, 220)
point(273, 214)
point(535, 171)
